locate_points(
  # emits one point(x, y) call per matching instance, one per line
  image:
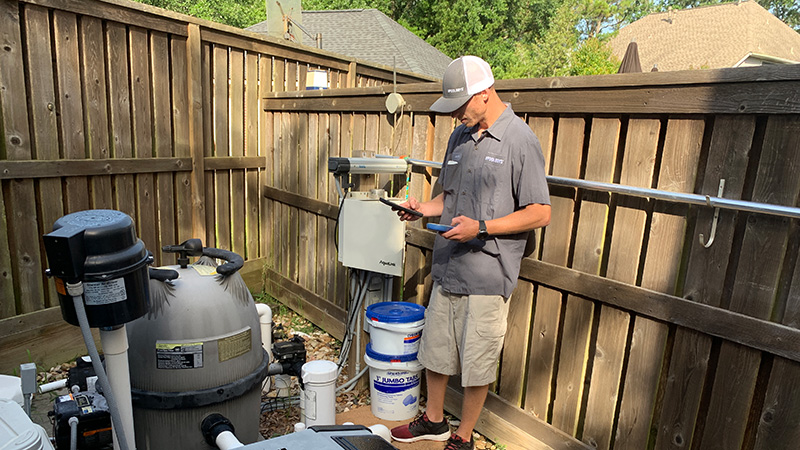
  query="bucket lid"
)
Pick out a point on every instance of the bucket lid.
point(320, 371)
point(396, 312)
point(389, 358)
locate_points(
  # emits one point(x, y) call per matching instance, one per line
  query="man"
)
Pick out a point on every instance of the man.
point(494, 194)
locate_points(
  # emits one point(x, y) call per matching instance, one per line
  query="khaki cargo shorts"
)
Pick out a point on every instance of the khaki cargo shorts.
point(464, 334)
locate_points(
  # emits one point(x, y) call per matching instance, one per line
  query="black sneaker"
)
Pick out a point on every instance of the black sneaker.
point(456, 442)
point(422, 428)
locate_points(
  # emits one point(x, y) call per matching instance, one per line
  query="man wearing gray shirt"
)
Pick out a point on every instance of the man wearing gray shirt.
point(494, 192)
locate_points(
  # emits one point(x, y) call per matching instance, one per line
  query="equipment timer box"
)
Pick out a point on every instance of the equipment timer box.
point(371, 236)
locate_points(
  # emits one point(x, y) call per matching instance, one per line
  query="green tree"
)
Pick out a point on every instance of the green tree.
point(237, 13)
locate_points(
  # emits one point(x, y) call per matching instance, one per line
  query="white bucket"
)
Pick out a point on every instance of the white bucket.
point(394, 384)
point(395, 328)
point(318, 399)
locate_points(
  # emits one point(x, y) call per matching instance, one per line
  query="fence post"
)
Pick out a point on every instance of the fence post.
point(195, 83)
point(351, 75)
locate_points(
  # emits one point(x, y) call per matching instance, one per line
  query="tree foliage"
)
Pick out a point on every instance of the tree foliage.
point(519, 38)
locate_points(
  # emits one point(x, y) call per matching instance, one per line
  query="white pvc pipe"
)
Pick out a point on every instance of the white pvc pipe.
point(265, 322)
point(226, 440)
point(52, 386)
point(115, 349)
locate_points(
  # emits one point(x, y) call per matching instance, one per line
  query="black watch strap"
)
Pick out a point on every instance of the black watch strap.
point(482, 233)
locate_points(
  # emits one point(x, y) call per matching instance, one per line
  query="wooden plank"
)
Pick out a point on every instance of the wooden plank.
point(141, 107)
point(731, 141)
point(306, 231)
point(70, 104)
point(253, 196)
point(181, 129)
point(515, 345)
point(292, 185)
point(555, 244)
point(754, 97)
point(237, 193)
point(612, 332)
point(196, 80)
point(95, 105)
point(665, 244)
point(44, 129)
point(121, 134)
point(8, 308)
point(281, 157)
point(326, 260)
point(507, 425)
point(162, 141)
point(40, 337)
point(44, 169)
point(207, 92)
point(779, 424)
point(222, 189)
point(755, 283)
point(266, 149)
point(337, 278)
point(541, 364)
point(20, 217)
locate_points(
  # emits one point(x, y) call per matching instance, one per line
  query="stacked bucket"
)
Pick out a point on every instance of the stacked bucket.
point(395, 329)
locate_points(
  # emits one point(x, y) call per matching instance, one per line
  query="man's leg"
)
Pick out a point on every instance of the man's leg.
point(474, 397)
point(437, 385)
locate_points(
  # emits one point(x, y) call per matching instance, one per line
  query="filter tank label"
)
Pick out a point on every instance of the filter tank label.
point(104, 292)
point(187, 355)
point(232, 346)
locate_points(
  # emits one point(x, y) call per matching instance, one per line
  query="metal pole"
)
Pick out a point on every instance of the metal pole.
point(675, 197)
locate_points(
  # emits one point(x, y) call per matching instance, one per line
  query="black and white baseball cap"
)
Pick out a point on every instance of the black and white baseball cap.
point(463, 78)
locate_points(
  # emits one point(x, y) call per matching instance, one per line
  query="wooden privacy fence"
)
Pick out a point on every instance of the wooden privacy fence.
point(115, 104)
point(625, 331)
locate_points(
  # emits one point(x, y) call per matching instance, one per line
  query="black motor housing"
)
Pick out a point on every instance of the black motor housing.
point(100, 248)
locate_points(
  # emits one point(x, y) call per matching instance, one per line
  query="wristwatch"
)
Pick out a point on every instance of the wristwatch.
point(482, 233)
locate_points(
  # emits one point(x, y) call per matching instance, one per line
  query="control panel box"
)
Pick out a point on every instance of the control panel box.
point(371, 236)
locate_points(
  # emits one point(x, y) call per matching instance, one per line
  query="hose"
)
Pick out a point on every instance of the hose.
point(73, 433)
point(348, 386)
point(76, 291)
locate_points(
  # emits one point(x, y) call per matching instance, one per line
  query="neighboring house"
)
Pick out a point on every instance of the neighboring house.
point(370, 35)
point(710, 37)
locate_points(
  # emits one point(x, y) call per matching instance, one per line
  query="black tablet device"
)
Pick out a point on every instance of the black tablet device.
point(395, 206)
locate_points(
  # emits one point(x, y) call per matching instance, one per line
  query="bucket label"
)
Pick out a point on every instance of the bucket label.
point(205, 271)
point(396, 382)
point(235, 345)
point(188, 355)
point(411, 343)
point(104, 292)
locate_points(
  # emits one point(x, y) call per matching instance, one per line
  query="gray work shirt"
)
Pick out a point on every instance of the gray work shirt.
point(485, 177)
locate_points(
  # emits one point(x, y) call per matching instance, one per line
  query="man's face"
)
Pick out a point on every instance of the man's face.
point(472, 112)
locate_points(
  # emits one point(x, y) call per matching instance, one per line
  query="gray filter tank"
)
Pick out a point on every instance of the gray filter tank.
point(197, 352)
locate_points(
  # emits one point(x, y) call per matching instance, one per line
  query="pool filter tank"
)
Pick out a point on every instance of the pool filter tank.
point(196, 352)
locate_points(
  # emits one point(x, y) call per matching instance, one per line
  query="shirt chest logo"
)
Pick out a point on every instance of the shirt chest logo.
point(494, 159)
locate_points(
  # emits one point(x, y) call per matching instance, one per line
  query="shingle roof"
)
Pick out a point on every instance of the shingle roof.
point(371, 35)
point(708, 37)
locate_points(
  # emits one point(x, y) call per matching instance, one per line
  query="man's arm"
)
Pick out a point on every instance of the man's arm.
point(529, 218)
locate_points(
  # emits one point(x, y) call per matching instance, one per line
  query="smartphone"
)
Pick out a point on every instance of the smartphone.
point(439, 227)
point(395, 206)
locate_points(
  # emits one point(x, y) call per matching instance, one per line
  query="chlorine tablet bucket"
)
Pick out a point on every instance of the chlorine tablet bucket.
point(395, 328)
point(394, 384)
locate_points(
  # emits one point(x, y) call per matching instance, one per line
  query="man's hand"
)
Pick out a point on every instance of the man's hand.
point(464, 229)
point(412, 203)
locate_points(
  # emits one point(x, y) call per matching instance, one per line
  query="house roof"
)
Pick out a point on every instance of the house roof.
point(370, 35)
point(708, 37)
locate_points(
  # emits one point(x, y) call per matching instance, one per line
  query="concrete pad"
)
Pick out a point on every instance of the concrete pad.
point(362, 415)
